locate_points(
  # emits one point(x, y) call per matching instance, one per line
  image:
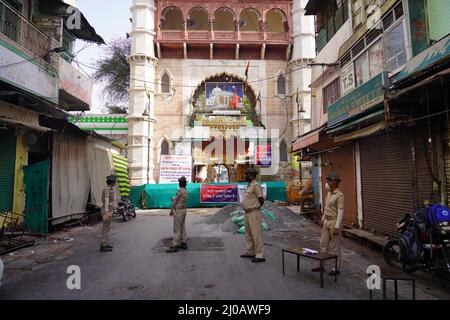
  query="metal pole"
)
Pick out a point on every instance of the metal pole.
point(301, 184)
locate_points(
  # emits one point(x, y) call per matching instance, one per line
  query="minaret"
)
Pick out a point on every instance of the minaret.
point(303, 53)
point(141, 120)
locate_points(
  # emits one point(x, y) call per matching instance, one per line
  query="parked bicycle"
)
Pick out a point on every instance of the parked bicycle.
point(423, 243)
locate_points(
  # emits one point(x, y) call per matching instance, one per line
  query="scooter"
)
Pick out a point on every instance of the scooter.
point(126, 209)
point(435, 256)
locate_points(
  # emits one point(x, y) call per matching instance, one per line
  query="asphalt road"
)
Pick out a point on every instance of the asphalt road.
point(139, 268)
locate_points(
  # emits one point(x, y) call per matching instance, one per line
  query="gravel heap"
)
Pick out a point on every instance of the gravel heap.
point(224, 216)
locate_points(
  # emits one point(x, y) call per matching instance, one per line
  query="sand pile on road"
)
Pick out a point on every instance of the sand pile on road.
point(283, 217)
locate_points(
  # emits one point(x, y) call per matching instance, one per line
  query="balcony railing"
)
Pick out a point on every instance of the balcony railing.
point(17, 28)
point(222, 36)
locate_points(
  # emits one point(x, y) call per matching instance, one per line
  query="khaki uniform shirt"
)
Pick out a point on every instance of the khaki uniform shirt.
point(108, 199)
point(252, 195)
point(334, 207)
point(181, 199)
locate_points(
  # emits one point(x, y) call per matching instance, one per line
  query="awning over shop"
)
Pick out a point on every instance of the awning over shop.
point(375, 115)
point(361, 133)
point(313, 6)
point(308, 139)
point(60, 8)
point(430, 61)
point(29, 125)
point(121, 168)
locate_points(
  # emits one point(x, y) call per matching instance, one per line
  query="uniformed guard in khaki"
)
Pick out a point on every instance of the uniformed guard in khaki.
point(253, 220)
point(333, 221)
point(179, 218)
point(108, 200)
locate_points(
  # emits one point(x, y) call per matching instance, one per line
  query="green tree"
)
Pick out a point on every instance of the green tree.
point(114, 72)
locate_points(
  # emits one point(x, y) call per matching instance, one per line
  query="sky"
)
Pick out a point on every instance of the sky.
point(110, 19)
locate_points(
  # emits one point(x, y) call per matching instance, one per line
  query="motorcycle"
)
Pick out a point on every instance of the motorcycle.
point(125, 209)
point(431, 248)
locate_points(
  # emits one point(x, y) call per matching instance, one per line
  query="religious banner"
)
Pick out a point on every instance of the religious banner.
point(219, 193)
point(264, 156)
point(173, 167)
point(224, 96)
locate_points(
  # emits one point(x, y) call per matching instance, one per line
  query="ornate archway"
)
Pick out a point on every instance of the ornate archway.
point(225, 95)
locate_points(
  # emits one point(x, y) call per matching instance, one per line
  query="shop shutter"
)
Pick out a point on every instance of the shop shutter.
point(447, 164)
point(342, 161)
point(424, 179)
point(438, 18)
point(7, 168)
point(387, 180)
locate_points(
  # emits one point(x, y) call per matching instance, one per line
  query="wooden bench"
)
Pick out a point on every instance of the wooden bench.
point(299, 252)
point(364, 235)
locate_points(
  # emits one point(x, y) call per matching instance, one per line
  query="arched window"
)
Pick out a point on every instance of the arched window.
point(165, 148)
point(249, 20)
point(224, 20)
point(165, 83)
point(281, 85)
point(172, 19)
point(276, 21)
point(283, 152)
point(198, 19)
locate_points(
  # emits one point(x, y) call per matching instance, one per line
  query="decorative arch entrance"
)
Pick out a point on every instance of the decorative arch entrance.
point(224, 103)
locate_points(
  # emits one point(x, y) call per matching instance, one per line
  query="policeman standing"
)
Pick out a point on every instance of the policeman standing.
point(179, 211)
point(332, 221)
point(252, 204)
point(109, 201)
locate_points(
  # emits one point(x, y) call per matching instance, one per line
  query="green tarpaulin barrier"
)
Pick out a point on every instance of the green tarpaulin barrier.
point(159, 196)
point(121, 168)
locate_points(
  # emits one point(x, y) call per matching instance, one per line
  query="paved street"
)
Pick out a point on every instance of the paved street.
point(139, 268)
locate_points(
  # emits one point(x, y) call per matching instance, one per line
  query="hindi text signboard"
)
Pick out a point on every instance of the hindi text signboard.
point(173, 167)
point(219, 193)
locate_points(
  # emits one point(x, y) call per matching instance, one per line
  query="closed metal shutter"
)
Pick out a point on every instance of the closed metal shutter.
point(342, 161)
point(438, 18)
point(447, 164)
point(387, 180)
point(424, 178)
point(7, 168)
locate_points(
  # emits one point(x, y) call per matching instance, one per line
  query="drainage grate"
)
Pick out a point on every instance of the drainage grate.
point(194, 244)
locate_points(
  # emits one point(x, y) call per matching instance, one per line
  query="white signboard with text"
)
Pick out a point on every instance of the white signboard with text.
point(173, 167)
point(347, 79)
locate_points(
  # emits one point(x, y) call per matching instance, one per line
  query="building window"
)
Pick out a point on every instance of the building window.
point(276, 21)
point(172, 19)
point(331, 94)
point(165, 83)
point(394, 48)
point(283, 152)
point(381, 49)
point(164, 148)
point(281, 85)
point(249, 20)
point(224, 20)
point(198, 19)
point(329, 20)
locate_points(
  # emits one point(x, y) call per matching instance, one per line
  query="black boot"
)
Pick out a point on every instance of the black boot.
point(172, 250)
point(106, 249)
point(183, 246)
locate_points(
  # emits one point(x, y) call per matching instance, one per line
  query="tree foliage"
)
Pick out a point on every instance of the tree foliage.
point(114, 72)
